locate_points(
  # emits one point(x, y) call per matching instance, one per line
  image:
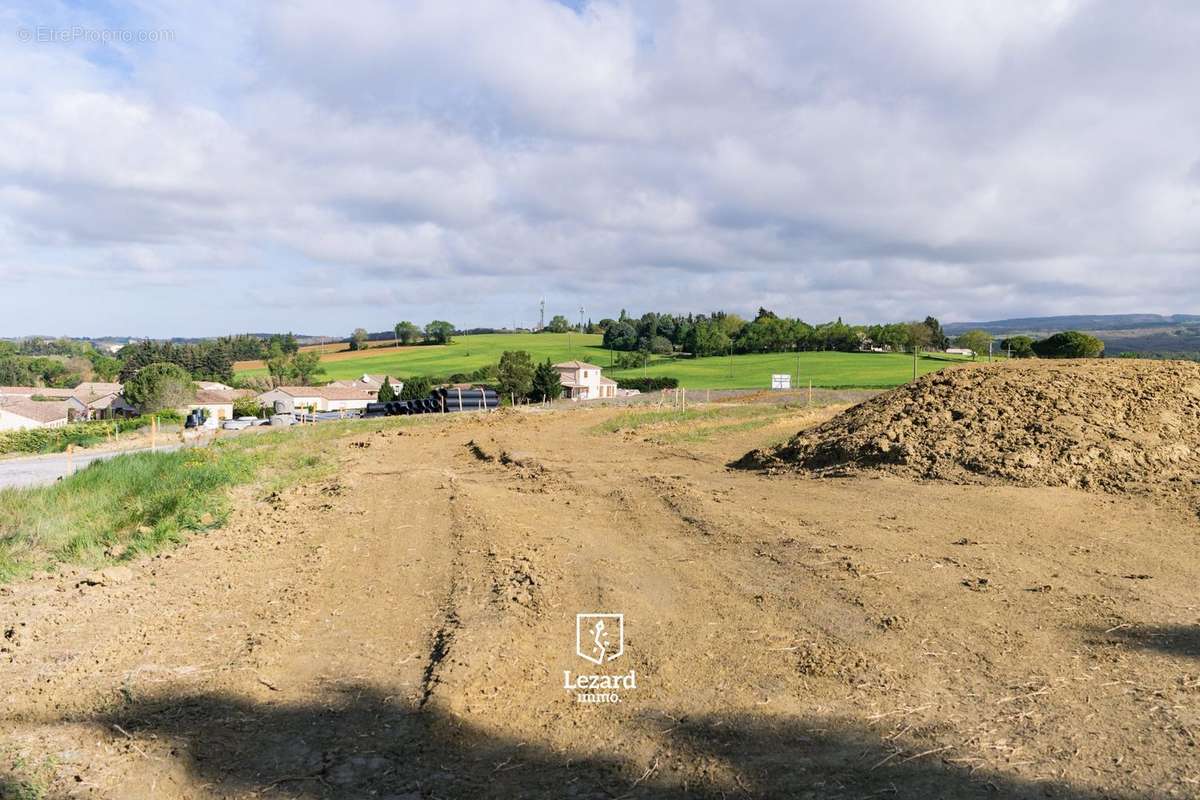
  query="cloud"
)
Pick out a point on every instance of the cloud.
point(319, 167)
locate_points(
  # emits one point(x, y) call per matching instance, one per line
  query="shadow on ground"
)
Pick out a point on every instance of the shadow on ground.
point(360, 743)
point(1175, 640)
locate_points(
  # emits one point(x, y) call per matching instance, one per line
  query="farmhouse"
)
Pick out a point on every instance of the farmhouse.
point(583, 381)
point(320, 398)
point(22, 414)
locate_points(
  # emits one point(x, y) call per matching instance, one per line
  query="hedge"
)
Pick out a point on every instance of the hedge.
point(648, 384)
point(82, 434)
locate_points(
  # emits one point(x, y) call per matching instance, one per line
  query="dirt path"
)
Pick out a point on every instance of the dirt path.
point(402, 630)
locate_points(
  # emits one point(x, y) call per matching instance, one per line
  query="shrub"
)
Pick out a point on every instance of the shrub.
point(80, 434)
point(415, 388)
point(247, 407)
point(648, 384)
point(1069, 344)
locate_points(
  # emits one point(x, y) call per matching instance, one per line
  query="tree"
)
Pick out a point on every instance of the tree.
point(515, 374)
point(547, 384)
point(160, 386)
point(621, 336)
point(439, 331)
point(706, 338)
point(386, 392)
point(415, 388)
point(937, 337)
point(558, 324)
point(407, 332)
point(1069, 344)
point(918, 336)
point(306, 365)
point(976, 341)
point(358, 339)
point(1018, 346)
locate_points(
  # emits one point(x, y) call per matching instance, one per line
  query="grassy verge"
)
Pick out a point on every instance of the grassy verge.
point(80, 434)
point(117, 509)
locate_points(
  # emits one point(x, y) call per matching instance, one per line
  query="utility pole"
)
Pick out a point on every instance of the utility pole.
point(581, 330)
point(731, 358)
point(542, 315)
point(914, 361)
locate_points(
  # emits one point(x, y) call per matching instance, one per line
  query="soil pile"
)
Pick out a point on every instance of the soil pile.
point(1122, 426)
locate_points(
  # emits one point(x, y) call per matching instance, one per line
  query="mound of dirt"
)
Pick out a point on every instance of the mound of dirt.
point(1119, 425)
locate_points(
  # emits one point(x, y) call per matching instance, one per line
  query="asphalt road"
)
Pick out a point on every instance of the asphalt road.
point(39, 470)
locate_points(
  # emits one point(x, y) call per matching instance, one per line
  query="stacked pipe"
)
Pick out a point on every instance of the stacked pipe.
point(439, 401)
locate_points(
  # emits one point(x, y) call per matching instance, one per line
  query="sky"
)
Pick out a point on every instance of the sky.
point(188, 169)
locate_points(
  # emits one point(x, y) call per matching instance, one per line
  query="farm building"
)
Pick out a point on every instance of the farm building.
point(583, 381)
point(22, 413)
point(320, 398)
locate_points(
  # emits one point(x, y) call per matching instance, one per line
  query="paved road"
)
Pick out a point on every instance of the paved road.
point(38, 470)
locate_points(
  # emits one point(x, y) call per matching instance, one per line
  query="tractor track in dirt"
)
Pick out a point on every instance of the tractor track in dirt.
point(402, 629)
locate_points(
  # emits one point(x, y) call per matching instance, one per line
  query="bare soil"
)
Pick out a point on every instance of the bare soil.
point(401, 630)
point(1123, 426)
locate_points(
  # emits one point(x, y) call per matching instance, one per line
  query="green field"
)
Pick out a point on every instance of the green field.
point(467, 353)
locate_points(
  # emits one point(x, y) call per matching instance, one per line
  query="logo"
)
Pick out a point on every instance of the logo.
point(599, 637)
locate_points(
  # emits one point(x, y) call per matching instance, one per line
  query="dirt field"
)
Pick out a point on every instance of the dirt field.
point(402, 631)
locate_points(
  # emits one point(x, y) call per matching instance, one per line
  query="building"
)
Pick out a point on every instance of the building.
point(374, 382)
point(960, 351)
point(319, 398)
point(216, 403)
point(96, 400)
point(18, 414)
point(214, 386)
point(583, 381)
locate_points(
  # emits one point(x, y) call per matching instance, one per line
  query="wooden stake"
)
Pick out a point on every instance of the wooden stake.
point(810, 392)
point(70, 459)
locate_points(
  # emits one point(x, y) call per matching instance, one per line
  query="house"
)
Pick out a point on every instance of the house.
point(22, 413)
point(374, 382)
point(583, 381)
point(96, 400)
point(215, 386)
point(960, 351)
point(215, 403)
point(319, 398)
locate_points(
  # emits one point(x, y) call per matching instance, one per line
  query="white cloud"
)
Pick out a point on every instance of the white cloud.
point(406, 160)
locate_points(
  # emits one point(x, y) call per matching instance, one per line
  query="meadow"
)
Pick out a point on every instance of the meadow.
point(750, 371)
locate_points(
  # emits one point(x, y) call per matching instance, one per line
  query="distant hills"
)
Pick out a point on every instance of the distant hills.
point(1145, 334)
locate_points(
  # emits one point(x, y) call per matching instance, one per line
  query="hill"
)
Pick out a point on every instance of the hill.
point(750, 371)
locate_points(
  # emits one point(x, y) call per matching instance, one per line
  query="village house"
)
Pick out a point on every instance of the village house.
point(96, 400)
point(23, 413)
point(583, 381)
point(319, 398)
point(216, 403)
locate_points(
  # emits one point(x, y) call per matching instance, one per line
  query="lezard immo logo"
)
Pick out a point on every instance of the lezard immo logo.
point(599, 638)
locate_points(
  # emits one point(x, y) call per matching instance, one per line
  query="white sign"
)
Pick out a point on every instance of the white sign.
point(599, 638)
point(783, 381)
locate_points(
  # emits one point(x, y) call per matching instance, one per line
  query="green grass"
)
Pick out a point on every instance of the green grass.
point(825, 370)
point(464, 354)
point(753, 371)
